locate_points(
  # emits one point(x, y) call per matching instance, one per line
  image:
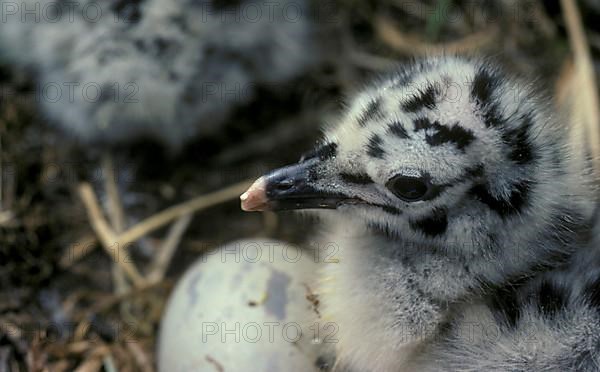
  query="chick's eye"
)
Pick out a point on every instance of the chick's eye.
point(409, 189)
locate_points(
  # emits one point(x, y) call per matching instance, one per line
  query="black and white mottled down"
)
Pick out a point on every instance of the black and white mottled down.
point(111, 71)
point(464, 227)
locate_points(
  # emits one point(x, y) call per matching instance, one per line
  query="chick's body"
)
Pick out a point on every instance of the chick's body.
point(458, 219)
point(463, 218)
point(115, 71)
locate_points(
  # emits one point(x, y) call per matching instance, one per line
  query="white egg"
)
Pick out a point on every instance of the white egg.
point(247, 306)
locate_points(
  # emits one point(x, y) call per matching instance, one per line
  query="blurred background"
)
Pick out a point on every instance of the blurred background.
point(128, 129)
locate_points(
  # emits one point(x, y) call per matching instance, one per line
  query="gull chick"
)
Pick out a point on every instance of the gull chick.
point(463, 212)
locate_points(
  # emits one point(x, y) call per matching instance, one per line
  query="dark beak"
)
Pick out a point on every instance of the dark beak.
point(291, 187)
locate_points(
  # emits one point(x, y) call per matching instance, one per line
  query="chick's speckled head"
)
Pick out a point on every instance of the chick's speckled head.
point(447, 148)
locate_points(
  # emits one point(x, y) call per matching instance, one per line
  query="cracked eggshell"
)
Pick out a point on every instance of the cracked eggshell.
point(242, 307)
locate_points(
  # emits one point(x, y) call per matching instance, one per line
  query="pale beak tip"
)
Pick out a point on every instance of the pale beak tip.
point(255, 198)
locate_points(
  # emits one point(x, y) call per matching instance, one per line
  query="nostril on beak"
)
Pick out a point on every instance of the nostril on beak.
point(284, 185)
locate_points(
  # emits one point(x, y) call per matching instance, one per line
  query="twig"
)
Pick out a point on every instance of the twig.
point(140, 357)
point(588, 90)
point(63, 350)
point(109, 239)
point(411, 45)
point(188, 207)
point(105, 234)
point(418, 10)
point(115, 207)
point(116, 215)
point(371, 61)
point(91, 364)
point(163, 258)
point(567, 88)
point(77, 251)
point(106, 303)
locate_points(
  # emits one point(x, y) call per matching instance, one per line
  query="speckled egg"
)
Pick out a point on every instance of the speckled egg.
point(247, 306)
